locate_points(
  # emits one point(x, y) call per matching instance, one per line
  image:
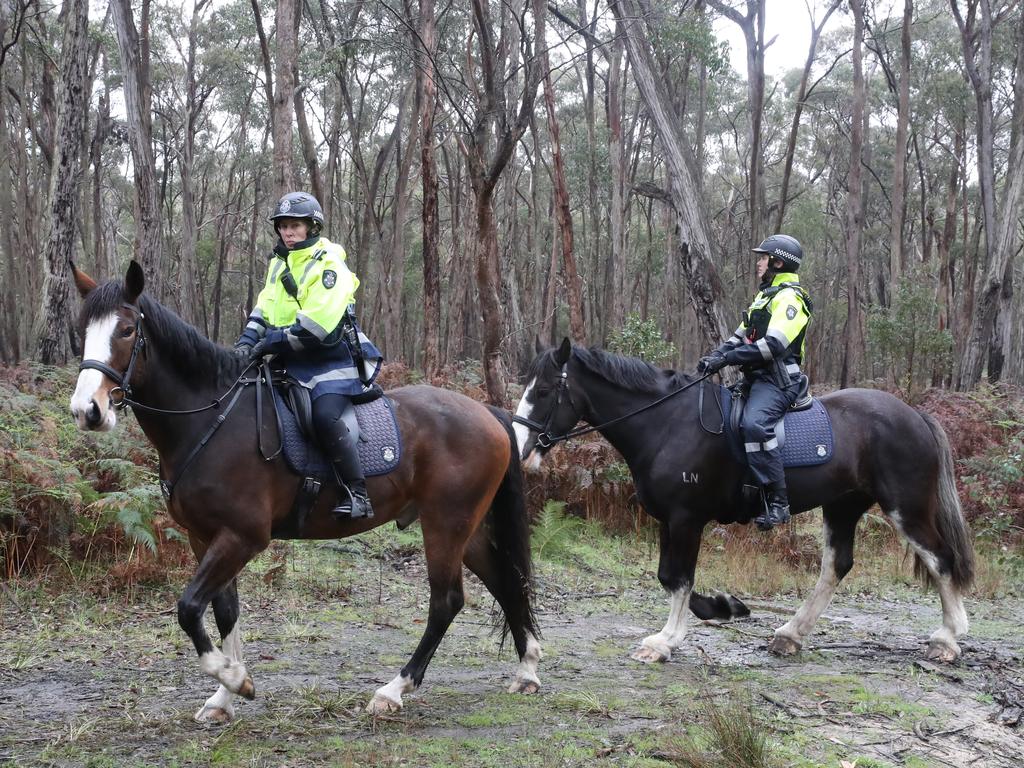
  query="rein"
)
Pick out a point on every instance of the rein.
point(545, 439)
point(123, 382)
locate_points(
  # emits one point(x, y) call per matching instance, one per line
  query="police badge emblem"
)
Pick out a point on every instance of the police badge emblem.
point(330, 278)
point(822, 450)
point(284, 206)
point(388, 453)
point(791, 312)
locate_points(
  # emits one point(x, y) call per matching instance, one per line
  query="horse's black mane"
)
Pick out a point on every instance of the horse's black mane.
point(195, 358)
point(630, 372)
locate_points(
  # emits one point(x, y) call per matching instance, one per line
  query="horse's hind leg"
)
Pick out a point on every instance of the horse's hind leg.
point(483, 559)
point(444, 573)
point(935, 557)
point(839, 523)
point(219, 708)
point(221, 562)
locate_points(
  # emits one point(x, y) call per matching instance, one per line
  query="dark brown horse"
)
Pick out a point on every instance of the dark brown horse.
point(886, 453)
point(459, 474)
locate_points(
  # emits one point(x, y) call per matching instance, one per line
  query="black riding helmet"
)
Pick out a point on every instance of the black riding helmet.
point(784, 248)
point(299, 205)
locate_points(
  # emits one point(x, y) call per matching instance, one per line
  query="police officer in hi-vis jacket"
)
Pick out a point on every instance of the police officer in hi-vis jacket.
point(769, 347)
point(302, 316)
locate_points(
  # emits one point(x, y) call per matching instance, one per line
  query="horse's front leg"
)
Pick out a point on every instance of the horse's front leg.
point(219, 708)
point(680, 544)
point(226, 555)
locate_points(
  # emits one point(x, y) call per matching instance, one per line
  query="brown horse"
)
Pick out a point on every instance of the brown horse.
point(459, 474)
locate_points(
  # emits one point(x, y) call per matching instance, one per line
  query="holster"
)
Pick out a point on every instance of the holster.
point(350, 332)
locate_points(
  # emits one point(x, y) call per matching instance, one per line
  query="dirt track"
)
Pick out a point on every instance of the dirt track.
point(90, 682)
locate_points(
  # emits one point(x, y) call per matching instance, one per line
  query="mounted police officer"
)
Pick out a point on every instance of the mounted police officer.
point(303, 316)
point(769, 347)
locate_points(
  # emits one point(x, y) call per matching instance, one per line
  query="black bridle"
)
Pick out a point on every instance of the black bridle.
point(124, 387)
point(544, 437)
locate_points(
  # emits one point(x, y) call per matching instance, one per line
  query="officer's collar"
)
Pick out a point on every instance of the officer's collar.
point(299, 250)
point(785, 277)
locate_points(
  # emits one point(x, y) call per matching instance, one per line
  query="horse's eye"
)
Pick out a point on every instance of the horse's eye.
point(126, 332)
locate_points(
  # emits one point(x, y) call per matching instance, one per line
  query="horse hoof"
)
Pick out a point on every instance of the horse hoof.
point(524, 686)
point(648, 655)
point(248, 689)
point(781, 645)
point(382, 705)
point(214, 715)
point(940, 651)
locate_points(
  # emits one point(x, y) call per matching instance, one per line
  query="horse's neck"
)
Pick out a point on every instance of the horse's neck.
point(609, 401)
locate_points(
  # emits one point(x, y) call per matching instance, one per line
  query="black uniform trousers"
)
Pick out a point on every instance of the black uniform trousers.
point(767, 403)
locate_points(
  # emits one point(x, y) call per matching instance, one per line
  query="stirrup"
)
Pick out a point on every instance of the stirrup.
point(777, 513)
point(356, 507)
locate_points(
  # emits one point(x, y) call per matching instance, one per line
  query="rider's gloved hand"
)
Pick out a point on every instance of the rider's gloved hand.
point(258, 350)
point(243, 350)
point(711, 363)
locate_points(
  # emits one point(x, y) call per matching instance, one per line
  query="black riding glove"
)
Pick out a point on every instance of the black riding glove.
point(258, 350)
point(243, 350)
point(711, 363)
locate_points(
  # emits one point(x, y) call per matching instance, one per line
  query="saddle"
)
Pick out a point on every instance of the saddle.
point(372, 420)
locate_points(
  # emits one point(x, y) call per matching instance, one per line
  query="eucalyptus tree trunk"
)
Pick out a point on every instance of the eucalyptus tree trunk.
point(853, 354)
point(189, 304)
point(563, 212)
point(615, 269)
point(495, 122)
point(149, 248)
point(694, 238)
point(316, 182)
point(897, 257)
point(1000, 233)
point(285, 67)
point(428, 174)
point(752, 26)
point(54, 319)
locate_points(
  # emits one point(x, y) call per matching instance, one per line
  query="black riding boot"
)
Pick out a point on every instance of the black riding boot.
point(777, 511)
point(340, 447)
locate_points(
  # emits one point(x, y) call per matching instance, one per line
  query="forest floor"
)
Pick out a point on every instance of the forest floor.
point(104, 677)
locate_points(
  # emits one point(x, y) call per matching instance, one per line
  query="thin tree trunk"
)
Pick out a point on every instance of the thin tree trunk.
point(701, 277)
point(615, 289)
point(316, 182)
point(54, 318)
point(854, 330)
point(897, 257)
point(285, 66)
point(148, 249)
point(428, 174)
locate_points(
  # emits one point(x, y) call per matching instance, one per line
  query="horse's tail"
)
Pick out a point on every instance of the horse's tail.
point(721, 607)
point(510, 536)
point(950, 518)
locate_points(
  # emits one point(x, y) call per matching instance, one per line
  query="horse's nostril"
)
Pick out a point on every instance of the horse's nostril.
point(92, 416)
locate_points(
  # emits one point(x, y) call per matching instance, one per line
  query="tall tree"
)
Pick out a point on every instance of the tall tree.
point(897, 258)
point(853, 354)
point(426, 51)
point(693, 236)
point(285, 67)
point(54, 326)
point(976, 34)
point(149, 248)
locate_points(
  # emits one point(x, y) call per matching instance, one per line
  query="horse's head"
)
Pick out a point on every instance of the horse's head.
point(548, 407)
point(110, 327)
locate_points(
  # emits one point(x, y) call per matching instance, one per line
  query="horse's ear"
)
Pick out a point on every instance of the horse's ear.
point(538, 345)
point(564, 351)
point(83, 282)
point(134, 282)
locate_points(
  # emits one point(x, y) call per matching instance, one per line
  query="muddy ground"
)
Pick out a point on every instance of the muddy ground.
point(97, 680)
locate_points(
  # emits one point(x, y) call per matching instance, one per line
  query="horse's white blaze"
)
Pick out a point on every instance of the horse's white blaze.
point(527, 671)
point(674, 631)
point(803, 622)
point(222, 699)
point(98, 337)
point(523, 411)
point(393, 691)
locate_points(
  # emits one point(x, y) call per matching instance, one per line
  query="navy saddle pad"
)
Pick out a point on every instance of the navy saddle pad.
point(805, 436)
point(380, 444)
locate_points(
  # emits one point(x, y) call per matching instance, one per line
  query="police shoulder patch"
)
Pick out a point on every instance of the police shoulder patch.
point(330, 278)
point(791, 312)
